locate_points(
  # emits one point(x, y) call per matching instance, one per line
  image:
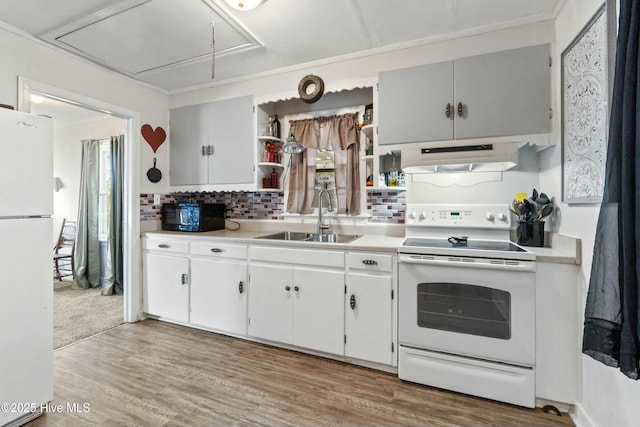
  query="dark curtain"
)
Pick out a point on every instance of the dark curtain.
point(611, 333)
point(113, 275)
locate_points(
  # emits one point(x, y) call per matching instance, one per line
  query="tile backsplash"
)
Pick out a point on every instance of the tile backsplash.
point(383, 206)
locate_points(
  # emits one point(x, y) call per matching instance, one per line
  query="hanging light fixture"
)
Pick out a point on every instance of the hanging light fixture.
point(291, 146)
point(244, 4)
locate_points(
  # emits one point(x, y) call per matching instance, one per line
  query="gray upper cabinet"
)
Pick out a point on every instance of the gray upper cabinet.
point(212, 143)
point(412, 103)
point(499, 94)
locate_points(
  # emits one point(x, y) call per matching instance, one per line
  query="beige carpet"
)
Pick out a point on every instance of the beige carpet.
point(81, 313)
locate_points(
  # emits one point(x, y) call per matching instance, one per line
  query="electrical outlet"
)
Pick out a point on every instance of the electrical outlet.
point(156, 199)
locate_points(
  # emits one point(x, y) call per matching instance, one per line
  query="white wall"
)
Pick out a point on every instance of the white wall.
point(608, 397)
point(67, 157)
point(24, 57)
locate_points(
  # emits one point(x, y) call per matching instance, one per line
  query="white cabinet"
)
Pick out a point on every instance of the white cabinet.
point(219, 286)
point(298, 303)
point(370, 308)
point(271, 303)
point(499, 94)
point(213, 143)
point(558, 332)
point(166, 279)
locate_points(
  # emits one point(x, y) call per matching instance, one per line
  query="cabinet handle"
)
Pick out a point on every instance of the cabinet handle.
point(164, 246)
point(241, 287)
point(184, 278)
point(352, 302)
point(210, 150)
point(287, 288)
point(204, 150)
point(369, 262)
point(447, 110)
point(216, 250)
point(295, 288)
point(460, 109)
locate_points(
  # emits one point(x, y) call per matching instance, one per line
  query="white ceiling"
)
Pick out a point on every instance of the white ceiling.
point(167, 43)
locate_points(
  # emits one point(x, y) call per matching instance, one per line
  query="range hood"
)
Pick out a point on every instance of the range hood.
point(434, 158)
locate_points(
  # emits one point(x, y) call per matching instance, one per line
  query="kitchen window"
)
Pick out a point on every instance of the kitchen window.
point(331, 156)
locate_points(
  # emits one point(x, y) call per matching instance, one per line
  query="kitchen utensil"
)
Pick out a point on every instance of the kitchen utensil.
point(545, 211)
point(522, 211)
point(458, 240)
point(534, 194)
point(154, 173)
point(516, 208)
point(533, 209)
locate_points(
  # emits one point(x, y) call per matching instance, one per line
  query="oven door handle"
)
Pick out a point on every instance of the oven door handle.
point(520, 266)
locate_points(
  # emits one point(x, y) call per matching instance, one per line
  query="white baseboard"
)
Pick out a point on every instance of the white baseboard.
point(581, 417)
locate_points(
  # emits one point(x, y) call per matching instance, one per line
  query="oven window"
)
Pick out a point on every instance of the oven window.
point(468, 309)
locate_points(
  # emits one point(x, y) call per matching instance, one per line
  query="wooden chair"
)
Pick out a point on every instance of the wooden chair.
point(63, 250)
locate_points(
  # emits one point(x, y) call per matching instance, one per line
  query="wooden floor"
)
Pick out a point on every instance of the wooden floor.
point(153, 373)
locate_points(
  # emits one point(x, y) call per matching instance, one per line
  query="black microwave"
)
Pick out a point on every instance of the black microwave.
point(193, 216)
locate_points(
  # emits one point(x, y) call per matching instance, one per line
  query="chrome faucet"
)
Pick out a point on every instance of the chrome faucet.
point(322, 227)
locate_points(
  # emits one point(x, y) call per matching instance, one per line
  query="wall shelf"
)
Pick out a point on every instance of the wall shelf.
point(271, 165)
point(368, 130)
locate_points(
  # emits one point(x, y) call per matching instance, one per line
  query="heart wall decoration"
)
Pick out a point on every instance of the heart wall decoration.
point(154, 138)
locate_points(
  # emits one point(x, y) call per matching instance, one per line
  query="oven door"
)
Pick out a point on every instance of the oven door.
point(478, 308)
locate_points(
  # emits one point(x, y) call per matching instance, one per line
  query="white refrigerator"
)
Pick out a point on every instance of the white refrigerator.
point(26, 279)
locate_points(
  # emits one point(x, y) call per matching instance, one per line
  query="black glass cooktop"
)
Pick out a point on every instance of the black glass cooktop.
point(486, 245)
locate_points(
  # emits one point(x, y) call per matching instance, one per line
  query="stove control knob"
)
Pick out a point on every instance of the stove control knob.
point(489, 216)
point(423, 215)
point(413, 215)
point(502, 217)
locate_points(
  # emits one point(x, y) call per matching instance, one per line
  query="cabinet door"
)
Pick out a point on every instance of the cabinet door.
point(270, 304)
point(558, 332)
point(368, 323)
point(233, 141)
point(503, 93)
point(412, 104)
point(188, 132)
point(219, 294)
point(166, 288)
point(318, 310)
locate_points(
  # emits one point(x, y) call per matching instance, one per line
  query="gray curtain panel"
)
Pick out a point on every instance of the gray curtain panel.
point(87, 249)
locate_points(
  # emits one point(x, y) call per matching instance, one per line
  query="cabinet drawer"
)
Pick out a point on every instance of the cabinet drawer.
point(370, 262)
point(219, 250)
point(323, 258)
point(166, 245)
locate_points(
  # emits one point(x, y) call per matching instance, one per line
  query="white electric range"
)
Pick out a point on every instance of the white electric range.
point(466, 303)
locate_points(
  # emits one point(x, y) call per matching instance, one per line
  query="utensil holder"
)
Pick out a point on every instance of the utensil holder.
point(530, 233)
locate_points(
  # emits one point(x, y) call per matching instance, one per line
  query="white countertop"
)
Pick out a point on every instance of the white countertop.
point(564, 250)
point(367, 242)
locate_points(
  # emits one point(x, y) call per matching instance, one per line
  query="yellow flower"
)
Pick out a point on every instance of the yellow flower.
point(520, 197)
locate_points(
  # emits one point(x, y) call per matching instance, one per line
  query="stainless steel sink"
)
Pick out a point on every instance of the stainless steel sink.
point(287, 235)
point(310, 237)
point(332, 238)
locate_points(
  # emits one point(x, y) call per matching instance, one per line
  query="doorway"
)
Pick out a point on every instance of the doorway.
point(79, 313)
point(132, 302)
